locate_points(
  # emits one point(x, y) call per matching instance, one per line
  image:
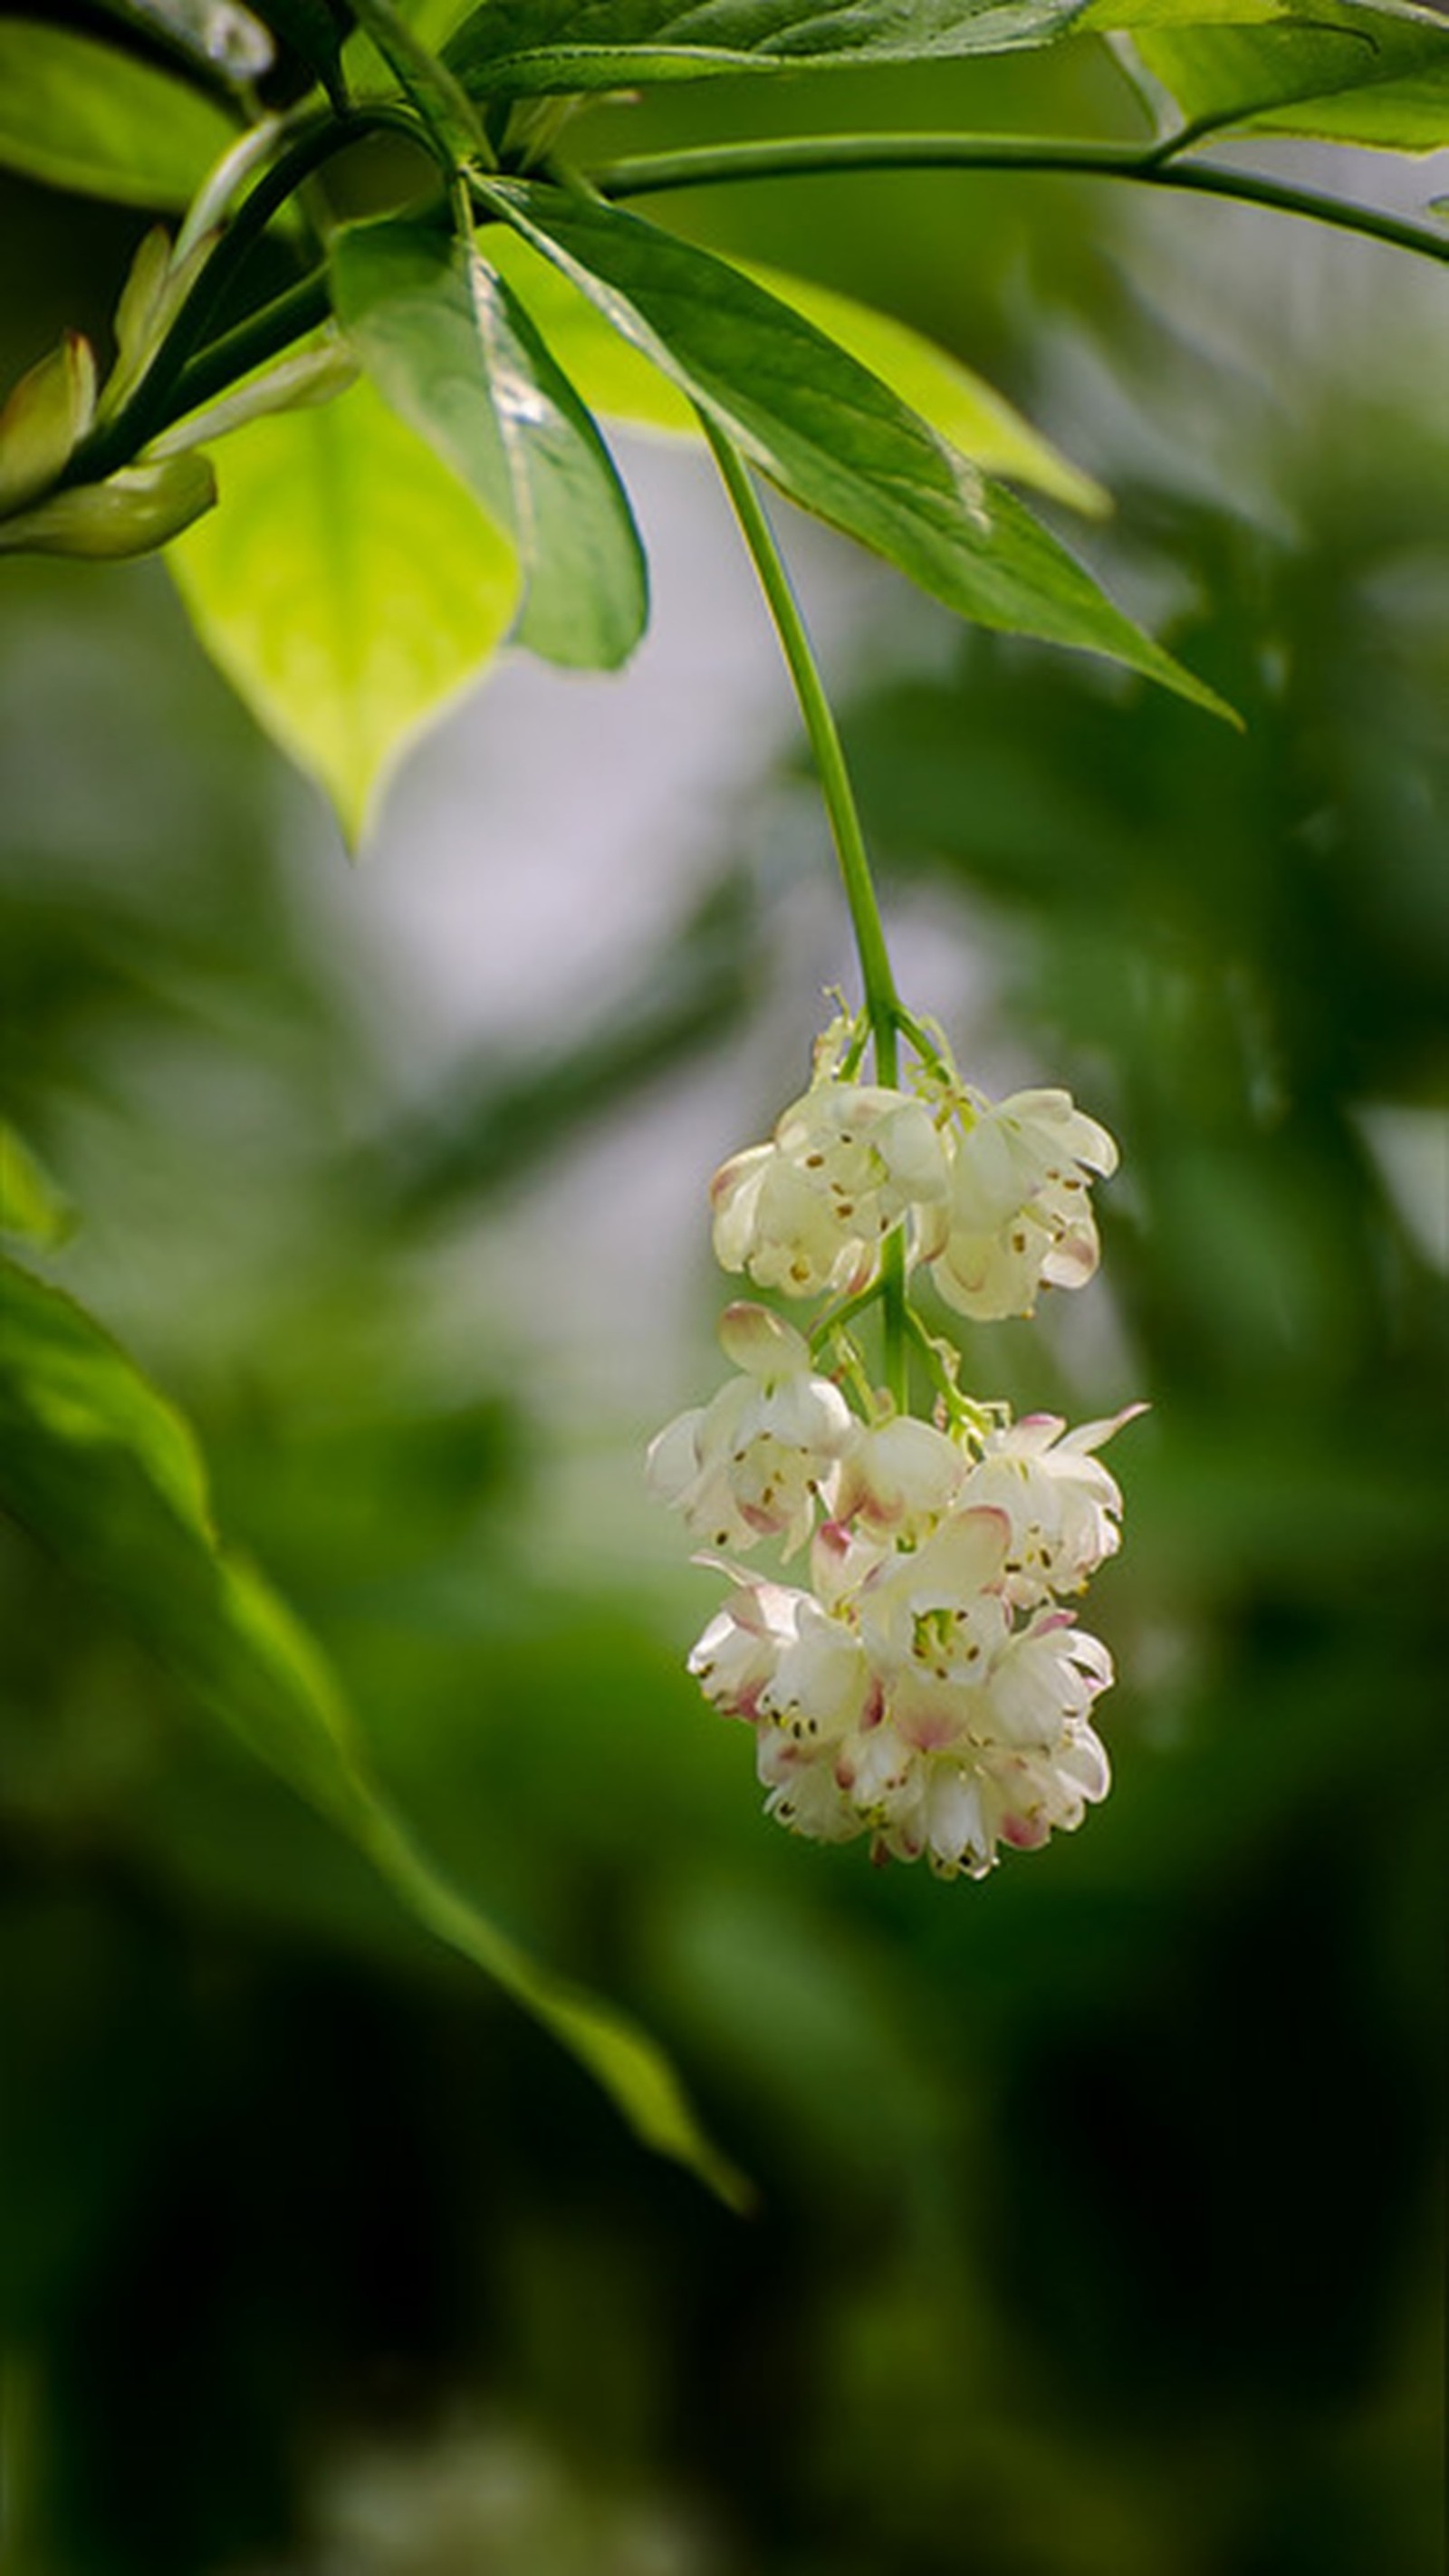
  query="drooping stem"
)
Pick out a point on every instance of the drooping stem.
point(822, 155)
point(882, 1002)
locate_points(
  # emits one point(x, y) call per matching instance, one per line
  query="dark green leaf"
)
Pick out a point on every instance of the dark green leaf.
point(1343, 71)
point(829, 433)
point(106, 1475)
point(454, 353)
point(81, 115)
point(616, 380)
point(521, 47)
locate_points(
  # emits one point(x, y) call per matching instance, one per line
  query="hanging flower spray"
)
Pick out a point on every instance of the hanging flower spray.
point(926, 1682)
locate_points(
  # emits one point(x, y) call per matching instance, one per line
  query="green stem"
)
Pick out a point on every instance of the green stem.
point(264, 334)
point(152, 407)
point(882, 1002)
point(823, 155)
point(440, 99)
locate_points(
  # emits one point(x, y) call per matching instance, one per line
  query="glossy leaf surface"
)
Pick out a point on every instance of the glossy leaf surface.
point(454, 354)
point(617, 379)
point(107, 1477)
point(348, 586)
point(830, 434)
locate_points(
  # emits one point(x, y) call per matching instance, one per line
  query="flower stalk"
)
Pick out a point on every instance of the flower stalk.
point(882, 1002)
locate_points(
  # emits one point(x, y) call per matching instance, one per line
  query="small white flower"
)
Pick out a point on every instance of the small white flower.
point(806, 1213)
point(740, 1649)
point(899, 1475)
point(1063, 1506)
point(1019, 1213)
point(749, 1464)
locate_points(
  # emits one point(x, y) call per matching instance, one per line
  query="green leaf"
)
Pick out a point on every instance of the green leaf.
point(107, 1476)
point(80, 115)
point(617, 379)
point(520, 48)
point(829, 433)
point(32, 1205)
point(348, 586)
point(1343, 71)
point(456, 356)
point(958, 404)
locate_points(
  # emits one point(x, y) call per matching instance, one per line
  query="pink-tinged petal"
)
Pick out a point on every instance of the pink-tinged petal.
point(1073, 1258)
point(732, 1176)
point(1024, 1833)
point(1095, 1435)
point(964, 1558)
point(1033, 1433)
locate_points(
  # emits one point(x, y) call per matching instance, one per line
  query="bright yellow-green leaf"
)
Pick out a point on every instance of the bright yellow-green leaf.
point(348, 586)
point(1348, 71)
point(107, 1476)
point(81, 115)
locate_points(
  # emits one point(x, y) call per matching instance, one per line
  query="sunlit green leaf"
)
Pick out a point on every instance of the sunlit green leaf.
point(1339, 70)
point(617, 379)
point(348, 586)
point(456, 356)
point(106, 1475)
point(830, 434)
point(81, 115)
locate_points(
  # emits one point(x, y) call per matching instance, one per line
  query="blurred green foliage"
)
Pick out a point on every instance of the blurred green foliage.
point(1098, 2221)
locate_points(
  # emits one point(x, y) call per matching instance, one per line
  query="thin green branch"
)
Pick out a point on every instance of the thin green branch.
point(265, 334)
point(824, 155)
point(154, 405)
point(882, 1002)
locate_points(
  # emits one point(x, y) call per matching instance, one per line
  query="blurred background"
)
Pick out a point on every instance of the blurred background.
point(1098, 2223)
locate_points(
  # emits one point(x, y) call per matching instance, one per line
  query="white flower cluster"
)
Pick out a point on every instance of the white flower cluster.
point(994, 1194)
point(930, 1687)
